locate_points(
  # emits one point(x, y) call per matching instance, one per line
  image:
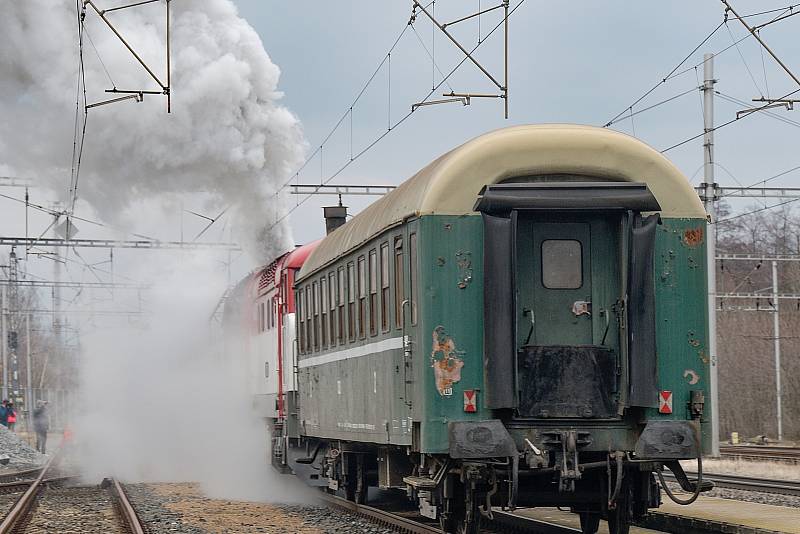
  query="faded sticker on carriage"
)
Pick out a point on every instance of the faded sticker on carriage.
point(446, 361)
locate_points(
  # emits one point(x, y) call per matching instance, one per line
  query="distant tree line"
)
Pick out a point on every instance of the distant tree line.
point(747, 386)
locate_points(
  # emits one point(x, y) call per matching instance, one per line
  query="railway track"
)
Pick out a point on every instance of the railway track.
point(45, 506)
point(514, 523)
point(410, 523)
point(755, 452)
point(761, 485)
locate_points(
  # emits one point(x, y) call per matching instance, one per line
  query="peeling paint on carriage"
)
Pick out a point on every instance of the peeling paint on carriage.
point(693, 237)
point(464, 263)
point(447, 367)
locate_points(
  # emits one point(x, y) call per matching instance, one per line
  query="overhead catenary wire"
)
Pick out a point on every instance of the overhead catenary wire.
point(79, 133)
point(741, 56)
point(674, 73)
point(667, 77)
point(405, 117)
point(724, 124)
point(648, 108)
point(766, 180)
point(355, 101)
point(766, 112)
point(751, 212)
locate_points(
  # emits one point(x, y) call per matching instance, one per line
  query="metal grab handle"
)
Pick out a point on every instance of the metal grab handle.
point(406, 350)
point(529, 311)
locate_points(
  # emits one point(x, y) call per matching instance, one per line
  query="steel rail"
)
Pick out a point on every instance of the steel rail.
point(694, 525)
point(23, 505)
point(505, 522)
point(781, 454)
point(739, 482)
point(380, 516)
point(15, 476)
point(132, 521)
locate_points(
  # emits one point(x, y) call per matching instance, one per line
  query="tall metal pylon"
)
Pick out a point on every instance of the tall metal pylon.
point(709, 197)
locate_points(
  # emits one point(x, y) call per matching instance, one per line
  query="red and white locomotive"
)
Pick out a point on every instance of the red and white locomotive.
point(259, 326)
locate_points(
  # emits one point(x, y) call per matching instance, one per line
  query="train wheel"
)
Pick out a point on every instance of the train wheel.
point(455, 521)
point(590, 522)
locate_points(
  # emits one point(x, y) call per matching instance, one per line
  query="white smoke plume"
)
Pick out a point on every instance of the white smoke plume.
point(160, 404)
point(157, 405)
point(227, 134)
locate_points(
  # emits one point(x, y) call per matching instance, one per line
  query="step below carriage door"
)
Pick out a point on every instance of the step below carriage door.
point(569, 246)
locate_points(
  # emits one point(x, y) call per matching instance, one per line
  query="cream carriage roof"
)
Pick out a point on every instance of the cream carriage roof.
point(450, 184)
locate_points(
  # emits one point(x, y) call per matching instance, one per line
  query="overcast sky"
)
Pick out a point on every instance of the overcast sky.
point(580, 62)
point(576, 62)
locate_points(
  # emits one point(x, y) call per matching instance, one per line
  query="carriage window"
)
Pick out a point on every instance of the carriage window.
point(301, 336)
point(315, 297)
point(351, 302)
point(323, 324)
point(412, 260)
point(309, 325)
point(399, 293)
point(362, 298)
point(385, 287)
point(261, 317)
point(341, 299)
point(373, 292)
point(562, 266)
point(332, 302)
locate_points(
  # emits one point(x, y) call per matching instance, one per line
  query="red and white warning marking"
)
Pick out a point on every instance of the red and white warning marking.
point(665, 402)
point(470, 397)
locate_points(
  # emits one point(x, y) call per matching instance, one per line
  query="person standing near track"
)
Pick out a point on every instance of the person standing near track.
point(11, 415)
point(41, 424)
point(4, 413)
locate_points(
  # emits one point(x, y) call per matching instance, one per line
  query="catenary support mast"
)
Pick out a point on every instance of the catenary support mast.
point(709, 201)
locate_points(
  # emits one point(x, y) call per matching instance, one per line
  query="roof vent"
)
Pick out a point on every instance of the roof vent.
point(335, 216)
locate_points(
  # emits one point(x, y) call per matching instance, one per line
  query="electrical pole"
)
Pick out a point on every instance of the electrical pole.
point(29, 373)
point(3, 313)
point(709, 201)
point(13, 325)
point(776, 327)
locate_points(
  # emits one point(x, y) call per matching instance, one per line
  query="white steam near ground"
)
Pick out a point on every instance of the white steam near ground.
point(157, 403)
point(162, 405)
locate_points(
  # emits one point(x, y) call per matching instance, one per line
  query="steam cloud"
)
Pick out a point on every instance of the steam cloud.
point(227, 134)
point(163, 405)
point(157, 403)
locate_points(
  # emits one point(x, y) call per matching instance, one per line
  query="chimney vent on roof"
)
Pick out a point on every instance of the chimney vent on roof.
point(335, 216)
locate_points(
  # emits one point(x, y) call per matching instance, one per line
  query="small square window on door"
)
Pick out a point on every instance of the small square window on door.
point(562, 264)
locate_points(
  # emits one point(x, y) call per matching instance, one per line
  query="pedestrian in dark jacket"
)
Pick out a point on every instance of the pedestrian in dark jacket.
point(11, 415)
point(41, 424)
point(4, 413)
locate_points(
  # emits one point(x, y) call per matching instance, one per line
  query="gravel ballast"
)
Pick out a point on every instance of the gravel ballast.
point(182, 509)
point(18, 450)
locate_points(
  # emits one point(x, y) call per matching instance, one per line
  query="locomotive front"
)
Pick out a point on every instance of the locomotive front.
point(551, 343)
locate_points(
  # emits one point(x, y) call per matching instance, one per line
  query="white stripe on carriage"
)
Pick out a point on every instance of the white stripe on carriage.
point(354, 352)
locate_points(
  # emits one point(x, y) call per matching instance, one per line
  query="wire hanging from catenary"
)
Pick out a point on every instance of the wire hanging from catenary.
point(674, 73)
point(393, 127)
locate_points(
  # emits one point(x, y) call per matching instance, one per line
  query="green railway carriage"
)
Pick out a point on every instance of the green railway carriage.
point(522, 322)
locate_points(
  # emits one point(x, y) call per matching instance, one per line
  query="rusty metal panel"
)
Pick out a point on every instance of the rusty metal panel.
point(681, 317)
point(448, 355)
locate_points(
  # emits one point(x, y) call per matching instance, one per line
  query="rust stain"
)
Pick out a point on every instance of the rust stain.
point(446, 361)
point(693, 237)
